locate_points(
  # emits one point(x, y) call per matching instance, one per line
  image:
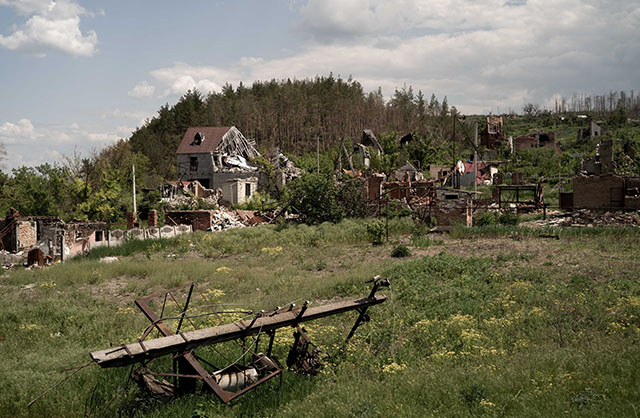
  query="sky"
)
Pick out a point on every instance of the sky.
point(77, 75)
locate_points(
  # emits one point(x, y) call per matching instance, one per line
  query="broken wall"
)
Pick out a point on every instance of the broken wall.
point(374, 187)
point(199, 220)
point(27, 233)
point(598, 192)
point(453, 209)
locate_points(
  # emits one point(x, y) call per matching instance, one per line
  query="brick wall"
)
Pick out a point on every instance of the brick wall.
point(598, 192)
point(451, 212)
point(27, 234)
point(153, 218)
point(200, 220)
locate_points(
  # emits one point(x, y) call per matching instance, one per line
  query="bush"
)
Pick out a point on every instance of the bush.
point(375, 231)
point(258, 201)
point(508, 218)
point(396, 210)
point(400, 251)
point(419, 237)
point(352, 198)
point(314, 196)
point(318, 198)
point(487, 218)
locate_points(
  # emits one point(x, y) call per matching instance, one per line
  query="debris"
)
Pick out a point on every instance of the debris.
point(587, 218)
point(250, 370)
point(303, 356)
point(109, 259)
point(523, 197)
point(204, 220)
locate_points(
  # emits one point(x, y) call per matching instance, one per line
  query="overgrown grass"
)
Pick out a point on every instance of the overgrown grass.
point(496, 231)
point(506, 332)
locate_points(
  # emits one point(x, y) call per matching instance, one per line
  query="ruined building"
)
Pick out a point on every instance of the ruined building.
point(218, 158)
point(492, 135)
point(594, 131)
point(536, 140)
point(51, 235)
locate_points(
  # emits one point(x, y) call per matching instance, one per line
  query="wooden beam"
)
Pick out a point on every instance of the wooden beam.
point(180, 343)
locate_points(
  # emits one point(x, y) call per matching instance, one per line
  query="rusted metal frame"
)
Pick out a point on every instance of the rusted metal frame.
point(180, 307)
point(184, 311)
point(253, 386)
point(189, 358)
point(377, 283)
point(362, 317)
point(190, 376)
point(272, 335)
point(228, 332)
point(300, 354)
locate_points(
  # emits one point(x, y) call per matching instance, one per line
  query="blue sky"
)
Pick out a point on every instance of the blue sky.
point(77, 75)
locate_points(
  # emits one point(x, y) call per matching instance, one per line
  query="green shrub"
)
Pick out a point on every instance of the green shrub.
point(314, 196)
point(486, 218)
point(375, 231)
point(419, 237)
point(258, 201)
point(508, 218)
point(396, 209)
point(400, 251)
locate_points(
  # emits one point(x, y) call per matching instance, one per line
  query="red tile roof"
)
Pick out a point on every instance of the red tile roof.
point(212, 138)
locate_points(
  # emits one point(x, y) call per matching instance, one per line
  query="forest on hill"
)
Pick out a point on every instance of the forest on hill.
point(292, 115)
point(296, 116)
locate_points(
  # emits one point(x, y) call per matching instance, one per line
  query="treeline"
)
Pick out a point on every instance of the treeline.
point(95, 187)
point(293, 115)
point(599, 105)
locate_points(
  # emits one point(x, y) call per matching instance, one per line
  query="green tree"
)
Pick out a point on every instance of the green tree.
point(315, 198)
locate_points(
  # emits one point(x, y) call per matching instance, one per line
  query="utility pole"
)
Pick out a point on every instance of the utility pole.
point(135, 212)
point(453, 140)
point(475, 159)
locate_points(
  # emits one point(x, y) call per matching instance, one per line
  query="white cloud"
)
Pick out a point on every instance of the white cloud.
point(482, 55)
point(182, 77)
point(11, 133)
point(24, 132)
point(51, 26)
point(141, 90)
point(52, 141)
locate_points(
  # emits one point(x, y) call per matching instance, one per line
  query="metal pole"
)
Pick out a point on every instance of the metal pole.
point(475, 159)
point(453, 141)
point(387, 218)
point(135, 211)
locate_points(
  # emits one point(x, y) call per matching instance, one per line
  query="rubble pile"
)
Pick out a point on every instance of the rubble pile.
point(222, 219)
point(8, 260)
point(190, 203)
point(587, 218)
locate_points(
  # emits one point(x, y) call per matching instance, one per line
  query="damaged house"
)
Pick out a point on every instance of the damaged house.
point(536, 140)
point(217, 157)
point(285, 169)
point(492, 135)
point(52, 236)
point(594, 131)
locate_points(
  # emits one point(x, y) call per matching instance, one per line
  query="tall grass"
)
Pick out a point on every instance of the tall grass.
point(497, 231)
point(501, 334)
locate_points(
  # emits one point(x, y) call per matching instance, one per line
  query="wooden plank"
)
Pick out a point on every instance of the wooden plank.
point(171, 344)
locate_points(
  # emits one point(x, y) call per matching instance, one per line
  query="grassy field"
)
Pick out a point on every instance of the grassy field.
point(491, 321)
